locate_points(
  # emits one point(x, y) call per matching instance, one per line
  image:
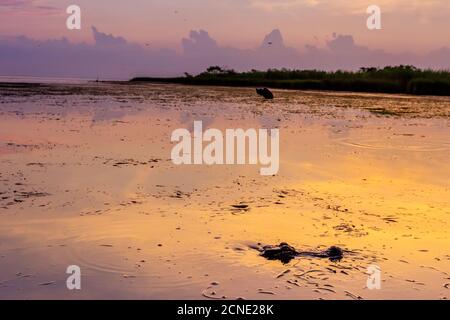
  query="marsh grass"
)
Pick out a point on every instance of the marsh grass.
point(399, 79)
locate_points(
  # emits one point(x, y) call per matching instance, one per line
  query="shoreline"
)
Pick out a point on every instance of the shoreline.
point(391, 79)
point(296, 86)
point(168, 81)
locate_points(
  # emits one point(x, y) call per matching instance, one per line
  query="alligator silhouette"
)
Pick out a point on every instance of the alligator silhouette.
point(285, 253)
point(266, 93)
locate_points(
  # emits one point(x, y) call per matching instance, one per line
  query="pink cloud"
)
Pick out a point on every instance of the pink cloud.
point(27, 7)
point(112, 57)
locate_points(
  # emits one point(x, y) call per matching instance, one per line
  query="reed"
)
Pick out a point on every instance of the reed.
point(399, 79)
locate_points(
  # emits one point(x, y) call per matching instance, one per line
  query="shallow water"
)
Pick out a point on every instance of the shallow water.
point(86, 179)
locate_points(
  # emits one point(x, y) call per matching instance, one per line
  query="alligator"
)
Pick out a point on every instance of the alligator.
point(266, 93)
point(285, 253)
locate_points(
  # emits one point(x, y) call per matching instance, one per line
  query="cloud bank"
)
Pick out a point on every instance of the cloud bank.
point(112, 57)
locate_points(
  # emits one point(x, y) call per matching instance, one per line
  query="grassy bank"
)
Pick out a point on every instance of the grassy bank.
point(400, 79)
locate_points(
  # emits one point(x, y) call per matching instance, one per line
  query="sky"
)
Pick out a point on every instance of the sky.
point(412, 30)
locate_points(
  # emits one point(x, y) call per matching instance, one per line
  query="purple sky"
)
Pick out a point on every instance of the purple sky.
point(323, 34)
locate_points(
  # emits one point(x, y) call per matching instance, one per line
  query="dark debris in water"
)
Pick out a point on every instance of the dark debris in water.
point(264, 92)
point(240, 208)
point(285, 253)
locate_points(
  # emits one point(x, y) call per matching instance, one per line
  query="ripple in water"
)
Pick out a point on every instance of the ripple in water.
point(399, 144)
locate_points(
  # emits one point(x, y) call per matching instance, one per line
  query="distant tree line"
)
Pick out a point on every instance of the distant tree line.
point(397, 79)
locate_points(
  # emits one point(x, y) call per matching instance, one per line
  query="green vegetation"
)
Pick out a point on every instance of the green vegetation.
point(400, 79)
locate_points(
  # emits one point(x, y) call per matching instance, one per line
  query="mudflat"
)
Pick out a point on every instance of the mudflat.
point(86, 179)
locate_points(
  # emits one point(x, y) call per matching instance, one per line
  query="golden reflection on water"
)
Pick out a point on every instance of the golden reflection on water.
point(95, 187)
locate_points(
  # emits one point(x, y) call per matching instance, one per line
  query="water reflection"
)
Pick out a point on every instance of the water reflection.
point(108, 198)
